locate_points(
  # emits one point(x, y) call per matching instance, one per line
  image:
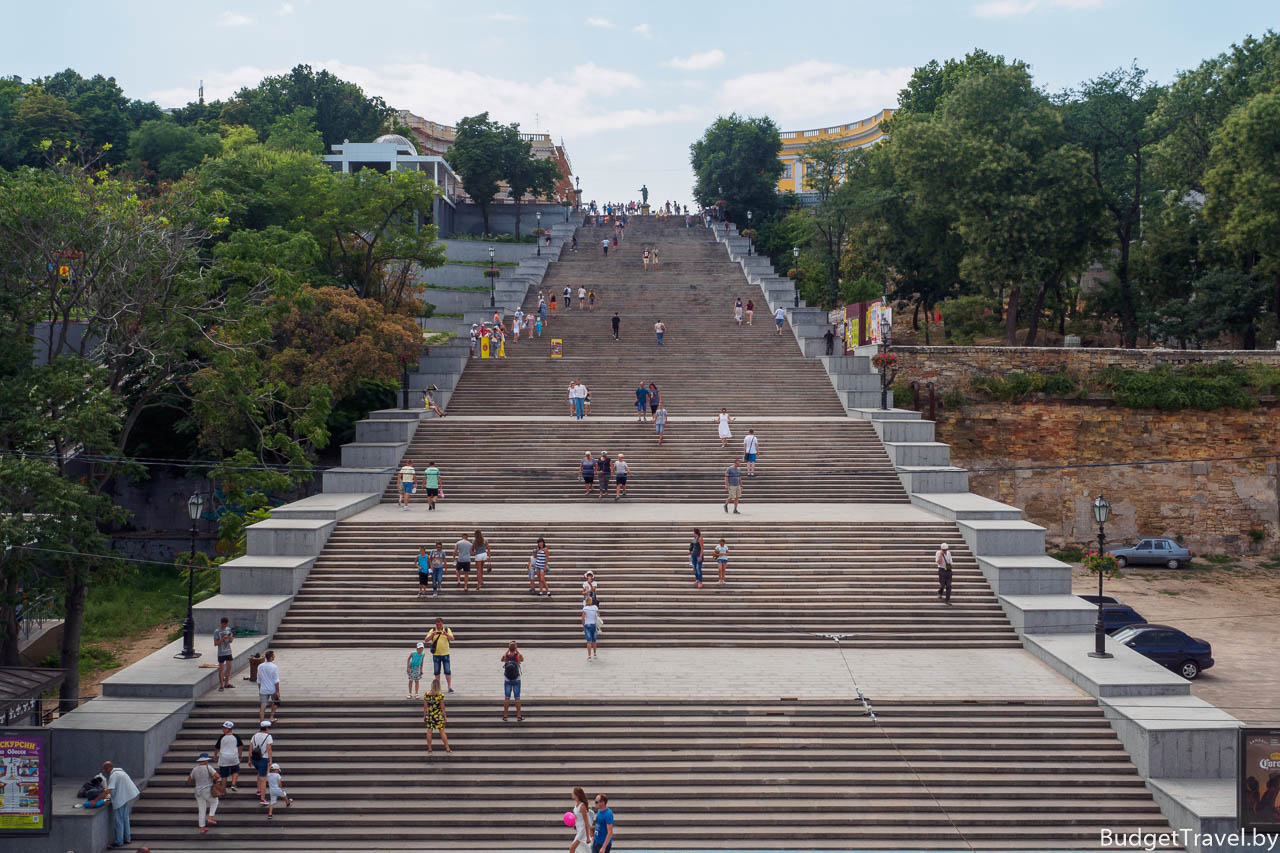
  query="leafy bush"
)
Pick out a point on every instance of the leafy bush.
point(953, 399)
point(1015, 386)
point(1202, 386)
point(494, 238)
point(369, 396)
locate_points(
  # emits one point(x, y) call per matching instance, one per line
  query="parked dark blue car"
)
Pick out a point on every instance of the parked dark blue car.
point(1187, 656)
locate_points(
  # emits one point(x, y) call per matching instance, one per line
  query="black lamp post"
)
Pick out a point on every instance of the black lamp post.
point(195, 504)
point(795, 264)
point(493, 291)
point(885, 328)
point(748, 236)
point(538, 216)
point(1101, 511)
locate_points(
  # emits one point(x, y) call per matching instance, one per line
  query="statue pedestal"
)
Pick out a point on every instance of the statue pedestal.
point(644, 210)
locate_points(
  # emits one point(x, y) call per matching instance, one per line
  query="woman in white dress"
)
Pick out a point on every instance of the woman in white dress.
point(737, 311)
point(724, 420)
point(581, 823)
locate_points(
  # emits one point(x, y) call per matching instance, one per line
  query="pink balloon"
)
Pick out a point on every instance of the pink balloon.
point(569, 819)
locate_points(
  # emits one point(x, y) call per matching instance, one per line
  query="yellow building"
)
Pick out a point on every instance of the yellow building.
point(855, 134)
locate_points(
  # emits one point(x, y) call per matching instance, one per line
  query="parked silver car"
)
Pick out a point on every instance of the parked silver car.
point(1152, 552)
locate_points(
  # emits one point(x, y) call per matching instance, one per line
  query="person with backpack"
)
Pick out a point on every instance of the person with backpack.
point(511, 660)
point(260, 747)
point(228, 751)
point(203, 777)
point(942, 560)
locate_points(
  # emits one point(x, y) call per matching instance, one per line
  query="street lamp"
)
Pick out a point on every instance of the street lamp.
point(1101, 511)
point(195, 504)
point(795, 264)
point(748, 236)
point(885, 328)
point(538, 216)
point(493, 293)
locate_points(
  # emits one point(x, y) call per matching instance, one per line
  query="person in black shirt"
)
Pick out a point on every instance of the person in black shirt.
point(604, 468)
point(830, 338)
point(615, 321)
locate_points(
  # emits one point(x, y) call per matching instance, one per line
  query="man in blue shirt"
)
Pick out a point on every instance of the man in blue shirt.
point(642, 400)
point(604, 826)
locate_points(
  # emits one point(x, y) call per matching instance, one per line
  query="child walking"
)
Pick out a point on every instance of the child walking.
point(413, 668)
point(722, 560)
point(433, 714)
point(276, 791)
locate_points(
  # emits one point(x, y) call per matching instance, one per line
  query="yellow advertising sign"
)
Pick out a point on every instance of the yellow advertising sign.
point(557, 347)
point(484, 346)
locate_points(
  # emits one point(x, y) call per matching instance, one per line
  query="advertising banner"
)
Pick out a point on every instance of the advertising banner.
point(557, 347)
point(1258, 782)
point(26, 782)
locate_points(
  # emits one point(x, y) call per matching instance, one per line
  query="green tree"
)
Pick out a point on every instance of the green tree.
point(738, 155)
point(259, 187)
point(526, 174)
point(482, 152)
point(932, 82)
point(835, 175)
point(1022, 197)
point(1192, 109)
point(343, 111)
point(41, 119)
point(103, 109)
point(1108, 118)
point(371, 237)
point(296, 132)
point(165, 151)
point(1243, 184)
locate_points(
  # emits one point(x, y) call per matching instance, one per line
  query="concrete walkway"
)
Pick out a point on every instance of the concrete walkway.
point(679, 673)
point(621, 512)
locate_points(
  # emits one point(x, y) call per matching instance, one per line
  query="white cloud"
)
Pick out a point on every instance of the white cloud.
point(815, 92)
point(286, 9)
point(697, 61)
point(644, 30)
point(506, 17)
point(601, 23)
point(1018, 8)
point(234, 19)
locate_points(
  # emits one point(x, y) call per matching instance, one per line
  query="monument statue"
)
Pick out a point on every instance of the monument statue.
point(644, 194)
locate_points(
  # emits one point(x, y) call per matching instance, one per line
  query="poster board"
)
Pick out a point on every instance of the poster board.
point(557, 347)
point(1258, 755)
point(26, 782)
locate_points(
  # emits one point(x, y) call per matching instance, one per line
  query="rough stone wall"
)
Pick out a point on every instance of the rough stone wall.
point(953, 367)
point(1211, 505)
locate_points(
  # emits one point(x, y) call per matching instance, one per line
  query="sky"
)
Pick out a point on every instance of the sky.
point(626, 86)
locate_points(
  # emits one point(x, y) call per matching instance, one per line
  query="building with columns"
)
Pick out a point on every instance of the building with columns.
point(855, 134)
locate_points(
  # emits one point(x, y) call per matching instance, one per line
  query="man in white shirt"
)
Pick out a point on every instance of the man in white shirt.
point(268, 686)
point(228, 755)
point(407, 476)
point(120, 792)
point(942, 559)
point(780, 317)
point(750, 447)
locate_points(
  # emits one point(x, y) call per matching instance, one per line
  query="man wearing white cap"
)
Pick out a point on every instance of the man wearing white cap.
point(203, 776)
point(228, 751)
point(942, 559)
point(260, 754)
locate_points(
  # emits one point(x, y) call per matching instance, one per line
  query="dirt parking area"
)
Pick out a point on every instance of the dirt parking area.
point(1233, 604)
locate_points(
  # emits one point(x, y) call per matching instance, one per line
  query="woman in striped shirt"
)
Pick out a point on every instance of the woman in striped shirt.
point(538, 569)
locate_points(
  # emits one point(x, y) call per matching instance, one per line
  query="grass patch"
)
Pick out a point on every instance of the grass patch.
point(494, 238)
point(1068, 555)
point(1016, 386)
point(1170, 592)
point(1271, 563)
point(479, 288)
point(139, 598)
point(92, 659)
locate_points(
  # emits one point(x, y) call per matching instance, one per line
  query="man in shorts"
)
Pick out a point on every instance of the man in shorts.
point(424, 570)
point(660, 422)
point(780, 317)
point(462, 563)
point(431, 479)
point(732, 486)
point(407, 477)
point(227, 750)
point(511, 660)
point(268, 687)
point(438, 639)
point(642, 401)
point(750, 447)
point(222, 642)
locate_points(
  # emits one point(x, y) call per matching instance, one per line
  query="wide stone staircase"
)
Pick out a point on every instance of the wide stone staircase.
point(744, 769)
point(788, 584)
point(755, 774)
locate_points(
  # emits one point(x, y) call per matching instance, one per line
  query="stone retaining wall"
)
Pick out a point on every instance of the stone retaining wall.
point(953, 367)
point(1212, 505)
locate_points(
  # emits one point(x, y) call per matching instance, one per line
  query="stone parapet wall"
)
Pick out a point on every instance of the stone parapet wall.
point(953, 367)
point(1210, 505)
